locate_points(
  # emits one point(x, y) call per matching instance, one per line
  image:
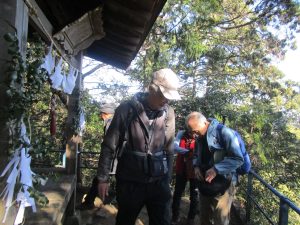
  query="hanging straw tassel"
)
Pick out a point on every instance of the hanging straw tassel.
point(53, 115)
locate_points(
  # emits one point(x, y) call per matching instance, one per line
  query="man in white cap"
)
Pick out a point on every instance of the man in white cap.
point(142, 133)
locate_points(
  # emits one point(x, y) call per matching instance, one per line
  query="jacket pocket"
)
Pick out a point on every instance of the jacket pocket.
point(132, 165)
point(157, 165)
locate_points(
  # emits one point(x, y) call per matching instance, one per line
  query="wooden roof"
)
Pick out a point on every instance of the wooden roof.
point(126, 24)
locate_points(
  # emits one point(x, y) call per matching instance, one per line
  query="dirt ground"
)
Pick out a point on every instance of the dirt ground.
point(105, 214)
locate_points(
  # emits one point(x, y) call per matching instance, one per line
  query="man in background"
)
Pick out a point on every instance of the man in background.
point(184, 147)
point(217, 156)
point(107, 112)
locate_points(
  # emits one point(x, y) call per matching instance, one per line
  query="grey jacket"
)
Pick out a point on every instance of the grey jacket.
point(115, 135)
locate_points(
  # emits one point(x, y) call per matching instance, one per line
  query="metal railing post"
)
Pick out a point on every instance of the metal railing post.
point(79, 177)
point(249, 193)
point(283, 213)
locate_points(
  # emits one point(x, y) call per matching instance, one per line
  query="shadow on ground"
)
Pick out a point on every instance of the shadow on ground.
point(105, 214)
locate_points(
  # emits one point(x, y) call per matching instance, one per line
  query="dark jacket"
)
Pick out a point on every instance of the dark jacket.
point(107, 123)
point(162, 137)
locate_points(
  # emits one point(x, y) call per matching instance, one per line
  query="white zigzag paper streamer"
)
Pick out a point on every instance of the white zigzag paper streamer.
point(19, 168)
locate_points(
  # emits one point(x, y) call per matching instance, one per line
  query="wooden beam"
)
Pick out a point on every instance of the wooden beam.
point(110, 58)
point(141, 5)
point(120, 45)
point(45, 28)
point(35, 13)
point(157, 7)
point(80, 34)
point(116, 63)
point(106, 48)
point(109, 54)
point(128, 15)
point(117, 36)
point(118, 25)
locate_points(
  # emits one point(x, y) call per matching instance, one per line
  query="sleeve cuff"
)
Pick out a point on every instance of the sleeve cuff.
point(216, 169)
point(102, 179)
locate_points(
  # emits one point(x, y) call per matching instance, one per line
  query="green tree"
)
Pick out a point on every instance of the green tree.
point(223, 52)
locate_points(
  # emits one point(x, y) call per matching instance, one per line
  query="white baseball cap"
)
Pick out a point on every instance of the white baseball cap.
point(168, 83)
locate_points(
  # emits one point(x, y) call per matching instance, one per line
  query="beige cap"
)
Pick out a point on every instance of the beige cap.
point(168, 83)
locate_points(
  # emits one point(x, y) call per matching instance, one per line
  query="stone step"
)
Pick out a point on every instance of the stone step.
point(59, 192)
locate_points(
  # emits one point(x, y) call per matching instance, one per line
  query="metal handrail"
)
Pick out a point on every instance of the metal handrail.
point(63, 151)
point(284, 205)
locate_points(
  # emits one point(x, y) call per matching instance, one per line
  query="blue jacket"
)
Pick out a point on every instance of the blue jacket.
point(227, 156)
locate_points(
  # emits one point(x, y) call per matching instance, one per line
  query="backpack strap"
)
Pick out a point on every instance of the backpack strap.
point(246, 166)
point(220, 126)
point(219, 132)
point(167, 113)
point(132, 114)
point(123, 137)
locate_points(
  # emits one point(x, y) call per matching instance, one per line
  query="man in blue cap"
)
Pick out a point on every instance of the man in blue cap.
point(106, 114)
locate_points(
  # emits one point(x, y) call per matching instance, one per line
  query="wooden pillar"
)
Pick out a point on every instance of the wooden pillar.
point(14, 18)
point(73, 140)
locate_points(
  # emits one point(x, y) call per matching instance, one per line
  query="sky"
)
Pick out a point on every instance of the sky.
point(290, 66)
point(109, 76)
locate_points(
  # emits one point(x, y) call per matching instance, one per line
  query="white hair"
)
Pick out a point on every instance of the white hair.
point(195, 115)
